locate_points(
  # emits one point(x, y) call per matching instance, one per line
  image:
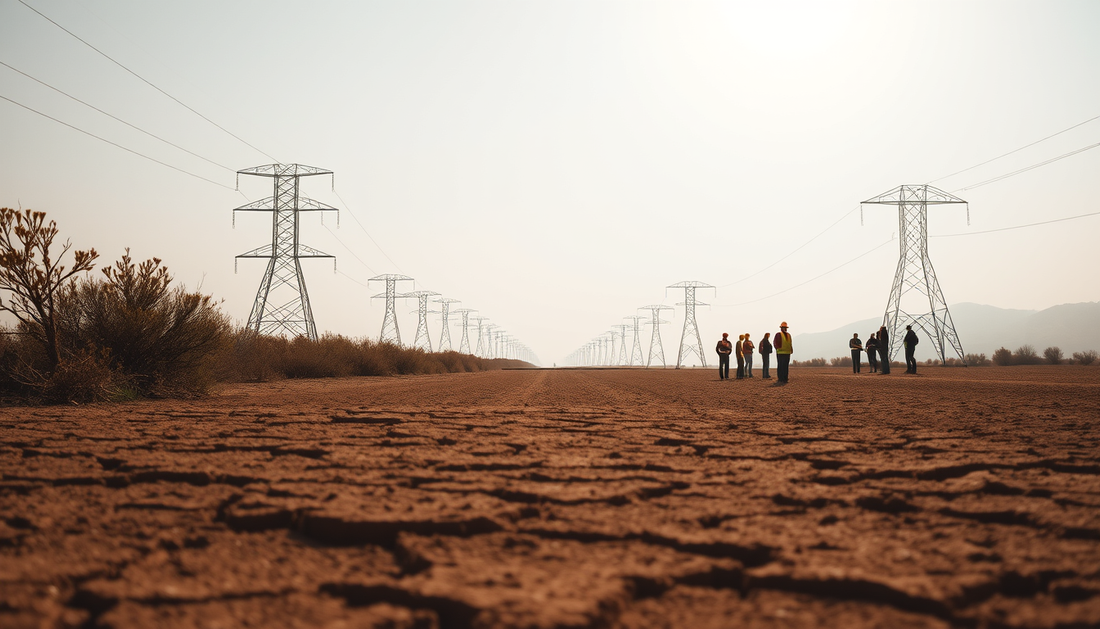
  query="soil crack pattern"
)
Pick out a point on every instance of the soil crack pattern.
point(624, 499)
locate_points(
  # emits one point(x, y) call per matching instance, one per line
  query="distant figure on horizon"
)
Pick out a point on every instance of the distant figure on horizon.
point(739, 350)
point(783, 351)
point(724, 349)
point(910, 341)
point(884, 350)
point(766, 355)
point(871, 347)
point(857, 347)
point(747, 348)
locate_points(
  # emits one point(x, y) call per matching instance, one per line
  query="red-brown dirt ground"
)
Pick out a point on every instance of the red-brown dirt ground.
point(563, 498)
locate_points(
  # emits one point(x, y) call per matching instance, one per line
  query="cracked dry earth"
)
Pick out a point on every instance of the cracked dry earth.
point(563, 498)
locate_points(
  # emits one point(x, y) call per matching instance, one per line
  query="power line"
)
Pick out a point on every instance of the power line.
point(1003, 229)
point(787, 290)
point(113, 117)
point(144, 80)
point(356, 218)
point(349, 250)
point(796, 250)
point(1016, 150)
point(1032, 167)
point(152, 159)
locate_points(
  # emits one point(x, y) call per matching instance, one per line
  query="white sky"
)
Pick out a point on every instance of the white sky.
point(555, 165)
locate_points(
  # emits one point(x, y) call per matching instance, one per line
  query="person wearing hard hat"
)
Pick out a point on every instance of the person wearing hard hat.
point(783, 350)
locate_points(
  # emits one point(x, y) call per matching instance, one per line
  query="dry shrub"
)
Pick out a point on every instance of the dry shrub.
point(161, 341)
point(256, 358)
point(1087, 357)
point(1002, 357)
point(1025, 355)
point(841, 361)
point(977, 360)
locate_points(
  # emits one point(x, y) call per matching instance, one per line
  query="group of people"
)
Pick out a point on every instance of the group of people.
point(878, 350)
point(744, 349)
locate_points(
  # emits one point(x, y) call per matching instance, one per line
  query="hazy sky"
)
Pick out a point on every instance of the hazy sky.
point(555, 165)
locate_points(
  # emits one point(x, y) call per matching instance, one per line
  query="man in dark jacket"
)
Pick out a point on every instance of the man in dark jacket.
point(884, 350)
point(766, 355)
point(724, 349)
point(911, 341)
point(857, 347)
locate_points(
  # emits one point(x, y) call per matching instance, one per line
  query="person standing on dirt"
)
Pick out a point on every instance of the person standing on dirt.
point(871, 347)
point(783, 351)
point(884, 350)
point(766, 355)
point(747, 348)
point(910, 341)
point(857, 347)
point(724, 349)
point(739, 350)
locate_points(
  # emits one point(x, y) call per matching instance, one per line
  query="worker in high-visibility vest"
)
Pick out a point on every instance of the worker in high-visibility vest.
point(783, 350)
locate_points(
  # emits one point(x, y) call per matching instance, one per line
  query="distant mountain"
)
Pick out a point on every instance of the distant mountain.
point(982, 330)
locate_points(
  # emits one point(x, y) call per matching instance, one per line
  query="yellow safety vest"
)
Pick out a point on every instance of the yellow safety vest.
point(785, 347)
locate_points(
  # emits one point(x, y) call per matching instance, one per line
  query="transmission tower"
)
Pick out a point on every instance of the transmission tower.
point(284, 254)
point(464, 344)
point(390, 332)
point(480, 350)
point(656, 348)
point(422, 340)
point(691, 329)
point(621, 328)
point(444, 312)
point(915, 272)
point(489, 340)
point(636, 350)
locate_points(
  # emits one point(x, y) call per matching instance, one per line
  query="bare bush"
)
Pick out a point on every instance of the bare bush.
point(1087, 357)
point(1025, 355)
point(163, 341)
point(977, 360)
point(34, 277)
point(1002, 357)
point(1053, 355)
point(841, 361)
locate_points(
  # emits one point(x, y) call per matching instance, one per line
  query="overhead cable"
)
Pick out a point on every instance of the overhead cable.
point(1004, 229)
point(115, 144)
point(1032, 167)
point(113, 117)
point(1017, 150)
point(144, 80)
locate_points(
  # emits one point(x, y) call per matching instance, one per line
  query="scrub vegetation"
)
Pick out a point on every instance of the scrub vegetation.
point(127, 332)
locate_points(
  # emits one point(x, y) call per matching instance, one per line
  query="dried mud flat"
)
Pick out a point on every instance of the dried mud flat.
point(563, 498)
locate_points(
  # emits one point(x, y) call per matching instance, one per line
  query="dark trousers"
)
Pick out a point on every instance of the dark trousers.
point(723, 366)
point(766, 359)
point(855, 360)
point(782, 366)
point(884, 359)
point(740, 367)
point(910, 360)
point(872, 360)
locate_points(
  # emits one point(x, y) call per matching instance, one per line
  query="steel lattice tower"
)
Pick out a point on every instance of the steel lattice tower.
point(691, 328)
point(636, 350)
point(621, 327)
point(480, 350)
point(915, 272)
point(390, 332)
point(284, 254)
point(444, 312)
point(422, 340)
point(656, 348)
point(489, 340)
point(464, 344)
